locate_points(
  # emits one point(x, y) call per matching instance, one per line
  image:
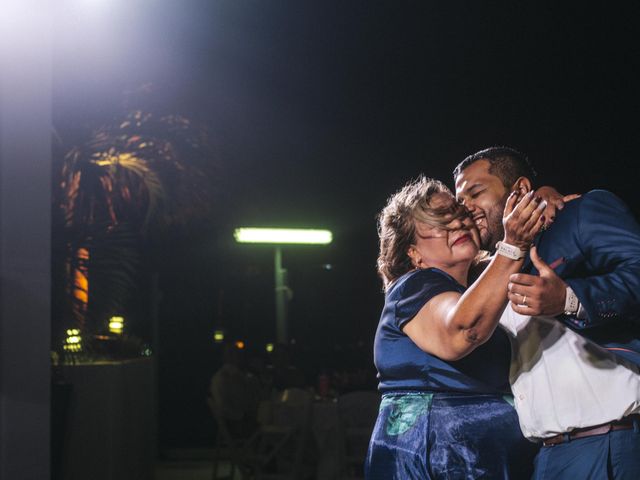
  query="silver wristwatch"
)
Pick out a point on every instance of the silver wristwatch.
point(510, 251)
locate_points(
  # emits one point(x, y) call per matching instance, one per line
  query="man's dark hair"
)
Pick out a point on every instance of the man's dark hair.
point(506, 163)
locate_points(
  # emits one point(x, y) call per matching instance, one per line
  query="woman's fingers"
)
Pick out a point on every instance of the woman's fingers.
point(537, 226)
point(534, 223)
point(533, 205)
point(522, 211)
point(511, 203)
point(525, 219)
point(524, 203)
point(536, 215)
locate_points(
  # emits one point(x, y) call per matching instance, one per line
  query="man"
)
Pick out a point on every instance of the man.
point(575, 366)
point(234, 394)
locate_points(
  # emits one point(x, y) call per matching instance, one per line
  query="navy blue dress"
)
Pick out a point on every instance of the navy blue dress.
point(439, 419)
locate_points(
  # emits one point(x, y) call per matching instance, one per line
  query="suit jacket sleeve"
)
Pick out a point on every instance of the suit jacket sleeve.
point(609, 237)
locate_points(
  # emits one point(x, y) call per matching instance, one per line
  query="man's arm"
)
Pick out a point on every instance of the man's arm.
point(609, 239)
point(609, 236)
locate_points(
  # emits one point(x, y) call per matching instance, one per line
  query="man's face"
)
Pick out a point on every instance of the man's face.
point(485, 196)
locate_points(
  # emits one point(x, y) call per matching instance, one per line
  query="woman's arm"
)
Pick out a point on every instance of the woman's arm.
point(451, 325)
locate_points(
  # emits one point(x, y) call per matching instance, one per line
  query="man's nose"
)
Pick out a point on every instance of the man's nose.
point(470, 205)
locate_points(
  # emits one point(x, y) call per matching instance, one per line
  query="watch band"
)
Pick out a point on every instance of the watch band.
point(571, 302)
point(510, 251)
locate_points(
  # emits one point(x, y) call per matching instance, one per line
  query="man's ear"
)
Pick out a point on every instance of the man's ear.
point(522, 185)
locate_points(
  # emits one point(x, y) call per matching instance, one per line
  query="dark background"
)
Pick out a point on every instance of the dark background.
point(318, 112)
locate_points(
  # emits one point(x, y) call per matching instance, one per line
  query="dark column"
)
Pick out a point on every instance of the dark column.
point(25, 231)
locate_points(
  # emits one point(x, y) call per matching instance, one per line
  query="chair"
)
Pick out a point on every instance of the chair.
point(231, 438)
point(358, 412)
point(276, 450)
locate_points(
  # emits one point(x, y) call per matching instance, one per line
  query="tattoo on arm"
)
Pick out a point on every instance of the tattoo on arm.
point(471, 335)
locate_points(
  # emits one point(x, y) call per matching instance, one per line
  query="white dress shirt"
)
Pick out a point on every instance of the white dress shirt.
point(562, 381)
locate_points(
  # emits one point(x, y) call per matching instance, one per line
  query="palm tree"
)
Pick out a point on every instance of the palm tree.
point(130, 181)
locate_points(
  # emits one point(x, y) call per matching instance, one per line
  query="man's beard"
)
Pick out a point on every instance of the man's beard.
point(495, 230)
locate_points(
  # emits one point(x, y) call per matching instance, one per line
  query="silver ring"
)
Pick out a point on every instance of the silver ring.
point(524, 302)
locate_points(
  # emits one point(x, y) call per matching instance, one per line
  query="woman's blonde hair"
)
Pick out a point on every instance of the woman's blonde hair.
point(397, 224)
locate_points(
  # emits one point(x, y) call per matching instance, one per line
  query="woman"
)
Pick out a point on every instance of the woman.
point(442, 365)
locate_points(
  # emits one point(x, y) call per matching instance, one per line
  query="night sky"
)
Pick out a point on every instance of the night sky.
point(319, 111)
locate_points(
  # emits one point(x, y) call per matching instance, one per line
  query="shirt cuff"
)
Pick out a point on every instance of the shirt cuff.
point(582, 312)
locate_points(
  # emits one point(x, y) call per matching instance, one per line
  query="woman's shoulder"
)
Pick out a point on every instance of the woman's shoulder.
point(417, 279)
point(413, 290)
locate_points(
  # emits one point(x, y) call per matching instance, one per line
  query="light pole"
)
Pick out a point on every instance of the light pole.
point(279, 237)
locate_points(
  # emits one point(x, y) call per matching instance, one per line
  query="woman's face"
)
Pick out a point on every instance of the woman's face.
point(444, 247)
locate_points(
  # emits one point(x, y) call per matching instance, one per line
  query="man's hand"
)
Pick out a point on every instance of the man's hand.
point(542, 294)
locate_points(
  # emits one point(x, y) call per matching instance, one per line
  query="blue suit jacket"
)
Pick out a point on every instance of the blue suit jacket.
point(595, 240)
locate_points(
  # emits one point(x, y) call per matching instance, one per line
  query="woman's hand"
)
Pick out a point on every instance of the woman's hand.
point(523, 220)
point(555, 201)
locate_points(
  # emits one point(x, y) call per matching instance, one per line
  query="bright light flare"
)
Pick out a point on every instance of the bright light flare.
point(218, 336)
point(73, 342)
point(301, 236)
point(116, 325)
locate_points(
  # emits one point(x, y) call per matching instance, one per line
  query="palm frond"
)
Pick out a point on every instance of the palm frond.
point(139, 175)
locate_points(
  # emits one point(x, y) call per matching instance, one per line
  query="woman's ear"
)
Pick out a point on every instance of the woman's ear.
point(414, 255)
point(522, 185)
